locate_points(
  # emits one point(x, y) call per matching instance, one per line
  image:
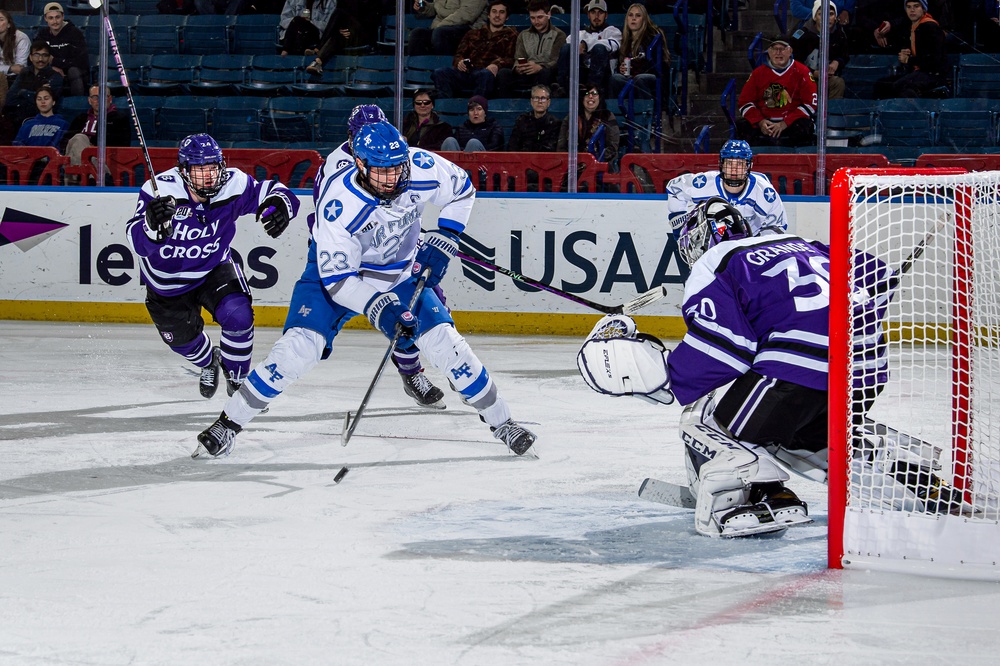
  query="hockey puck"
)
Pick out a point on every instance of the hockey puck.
point(340, 475)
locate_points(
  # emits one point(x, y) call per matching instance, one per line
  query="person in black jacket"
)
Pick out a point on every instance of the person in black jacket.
point(805, 48)
point(537, 131)
point(922, 57)
point(596, 127)
point(82, 131)
point(478, 133)
point(68, 47)
point(423, 128)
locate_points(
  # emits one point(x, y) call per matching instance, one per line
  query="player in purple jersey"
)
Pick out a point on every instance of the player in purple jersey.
point(182, 239)
point(757, 316)
point(407, 360)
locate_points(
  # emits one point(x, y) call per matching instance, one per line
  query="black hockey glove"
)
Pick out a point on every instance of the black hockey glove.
point(274, 214)
point(436, 251)
point(159, 218)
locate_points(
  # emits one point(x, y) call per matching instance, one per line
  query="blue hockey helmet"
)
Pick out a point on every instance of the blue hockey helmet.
point(199, 150)
point(735, 174)
point(715, 221)
point(384, 158)
point(361, 115)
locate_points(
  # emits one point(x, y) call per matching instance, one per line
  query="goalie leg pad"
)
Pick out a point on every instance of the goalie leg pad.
point(626, 366)
point(297, 352)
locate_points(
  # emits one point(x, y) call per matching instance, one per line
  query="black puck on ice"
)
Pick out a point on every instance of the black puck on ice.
point(340, 475)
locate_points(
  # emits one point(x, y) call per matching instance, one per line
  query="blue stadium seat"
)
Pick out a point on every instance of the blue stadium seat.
point(374, 76)
point(136, 69)
point(255, 34)
point(141, 6)
point(221, 74)
point(207, 35)
point(864, 70)
point(850, 119)
point(907, 122)
point(170, 74)
point(147, 109)
point(272, 75)
point(158, 34)
point(978, 75)
point(71, 106)
point(420, 68)
point(453, 111)
point(237, 118)
point(967, 124)
point(183, 115)
point(289, 119)
point(332, 120)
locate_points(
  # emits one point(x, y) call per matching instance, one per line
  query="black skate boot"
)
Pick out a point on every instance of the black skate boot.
point(517, 438)
point(217, 439)
point(418, 387)
point(232, 386)
point(208, 384)
point(772, 508)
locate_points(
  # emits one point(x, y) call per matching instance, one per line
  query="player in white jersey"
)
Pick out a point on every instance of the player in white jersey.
point(363, 256)
point(407, 361)
point(750, 192)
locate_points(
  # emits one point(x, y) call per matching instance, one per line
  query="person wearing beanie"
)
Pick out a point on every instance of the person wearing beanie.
point(922, 58)
point(478, 133)
point(805, 10)
point(805, 43)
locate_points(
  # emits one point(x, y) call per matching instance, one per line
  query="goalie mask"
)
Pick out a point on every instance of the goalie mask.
point(202, 165)
point(735, 162)
point(383, 160)
point(716, 221)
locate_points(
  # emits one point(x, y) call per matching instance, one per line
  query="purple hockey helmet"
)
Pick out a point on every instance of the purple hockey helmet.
point(361, 115)
point(199, 150)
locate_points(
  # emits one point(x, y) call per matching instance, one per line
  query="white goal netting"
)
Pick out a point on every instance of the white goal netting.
point(923, 385)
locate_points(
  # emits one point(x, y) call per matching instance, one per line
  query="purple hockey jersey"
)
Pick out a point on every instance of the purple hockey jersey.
point(763, 303)
point(202, 232)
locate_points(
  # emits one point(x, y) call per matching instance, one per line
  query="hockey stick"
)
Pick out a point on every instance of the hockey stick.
point(350, 425)
point(629, 307)
point(664, 492)
point(131, 104)
point(904, 268)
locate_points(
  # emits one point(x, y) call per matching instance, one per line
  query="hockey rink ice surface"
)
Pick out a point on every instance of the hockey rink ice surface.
point(438, 547)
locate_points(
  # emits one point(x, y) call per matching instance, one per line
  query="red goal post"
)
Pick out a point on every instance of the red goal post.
point(914, 474)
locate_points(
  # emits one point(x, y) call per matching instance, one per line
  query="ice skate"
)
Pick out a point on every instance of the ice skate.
point(772, 508)
point(208, 383)
point(232, 386)
point(517, 438)
point(217, 439)
point(422, 390)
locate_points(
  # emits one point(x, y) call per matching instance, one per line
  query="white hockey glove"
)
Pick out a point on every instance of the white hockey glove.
point(634, 365)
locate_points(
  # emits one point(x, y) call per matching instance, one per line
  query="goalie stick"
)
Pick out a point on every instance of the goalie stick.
point(628, 308)
point(664, 492)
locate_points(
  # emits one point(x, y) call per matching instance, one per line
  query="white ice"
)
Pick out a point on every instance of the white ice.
point(439, 547)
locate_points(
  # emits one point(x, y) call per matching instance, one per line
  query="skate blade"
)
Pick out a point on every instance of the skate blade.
point(199, 452)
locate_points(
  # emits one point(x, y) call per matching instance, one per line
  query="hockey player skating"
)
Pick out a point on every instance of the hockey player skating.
point(363, 255)
point(757, 313)
point(182, 239)
point(407, 361)
point(750, 192)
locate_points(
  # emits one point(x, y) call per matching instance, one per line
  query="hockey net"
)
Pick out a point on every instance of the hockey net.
point(915, 275)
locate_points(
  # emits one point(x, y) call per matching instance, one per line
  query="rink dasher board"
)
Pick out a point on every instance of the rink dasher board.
point(72, 261)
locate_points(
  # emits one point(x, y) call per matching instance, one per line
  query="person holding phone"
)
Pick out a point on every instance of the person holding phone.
point(536, 54)
point(480, 56)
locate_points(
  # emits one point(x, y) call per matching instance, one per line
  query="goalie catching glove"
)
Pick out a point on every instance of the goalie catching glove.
point(160, 219)
point(385, 312)
point(274, 213)
point(436, 251)
point(616, 360)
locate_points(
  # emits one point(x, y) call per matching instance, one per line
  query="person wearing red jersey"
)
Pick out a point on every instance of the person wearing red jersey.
point(778, 101)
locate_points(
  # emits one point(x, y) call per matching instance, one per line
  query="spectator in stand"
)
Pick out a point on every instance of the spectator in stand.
point(14, 49)
point(538, 130)
point(634, 60)
point(21, 96)
point(598, 43)
point(596, 128)
point(480, 56)
point(82, 130)
point(452, 19)
point(804, 10)
point(302, 24)
point(68, 48)
point(45, 129)
point(422, 127)
point(535, 55)
point(922, 58)
point(805, 49)
point(478, 133)
point(778, 102)
point(344, 33)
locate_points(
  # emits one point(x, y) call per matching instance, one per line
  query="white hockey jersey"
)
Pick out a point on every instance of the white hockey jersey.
point(363, 247)
point(759, 203)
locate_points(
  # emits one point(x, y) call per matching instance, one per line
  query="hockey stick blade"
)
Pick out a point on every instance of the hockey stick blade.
point(664, 492)
point(644, 299)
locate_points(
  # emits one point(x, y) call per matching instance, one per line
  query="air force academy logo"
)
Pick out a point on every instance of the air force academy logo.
point(423, 160)
point(770, 195)
point(699, 181)
point(332, 210)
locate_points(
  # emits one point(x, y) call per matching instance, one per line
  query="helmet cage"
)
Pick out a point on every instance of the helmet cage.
point(709, 228)
point(377, 146)
point(202, 150)
point(735, 150)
